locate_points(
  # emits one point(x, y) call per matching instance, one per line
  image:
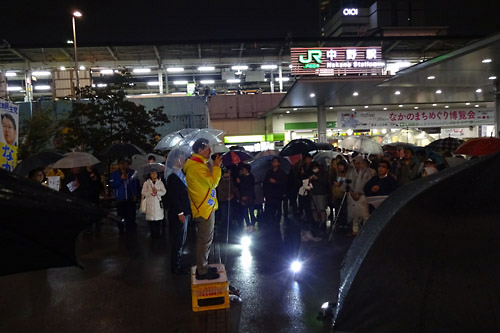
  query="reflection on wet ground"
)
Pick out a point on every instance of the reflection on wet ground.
point(127, 286)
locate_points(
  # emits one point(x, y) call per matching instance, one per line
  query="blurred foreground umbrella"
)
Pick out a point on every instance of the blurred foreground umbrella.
point(361, 144)
point(445, 145)
point(122, 150)
point(234, 157)
point(173, 139)
point(261, 165)
point(408, 135)
point(298, 146)
point(75, 160)
point(268, 152)
point(479, 147)
point(35, 161)
point(324, 146)
point(432, 251)
point(39, 226)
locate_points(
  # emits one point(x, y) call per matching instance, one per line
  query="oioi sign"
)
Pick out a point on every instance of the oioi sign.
point(350, 12)
point(325, 61)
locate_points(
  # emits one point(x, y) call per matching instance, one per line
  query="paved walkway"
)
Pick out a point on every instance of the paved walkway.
point(127, 286)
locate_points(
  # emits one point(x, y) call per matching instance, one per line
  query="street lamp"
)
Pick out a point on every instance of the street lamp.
point(76, 14)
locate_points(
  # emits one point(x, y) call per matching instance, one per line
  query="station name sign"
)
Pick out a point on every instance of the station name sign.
point(326, 61)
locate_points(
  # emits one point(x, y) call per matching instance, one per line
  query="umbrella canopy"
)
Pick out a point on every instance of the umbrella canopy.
point(435, 268)
point(139, 160)
point(122, 150)
point(298, 146)
point(324, 158)
point(395, 147)
point(409, 135)
point(173, 139)
point(35, 161)
point(234, 157)
point(75, 160)
point(445, 145)
point(324, 146)
point(268, 152)
point(479, 147)
point(261, 165)
point(143, 171)
point(220, 149)
point(361, 144)
point(39, 226)
point(177, 158)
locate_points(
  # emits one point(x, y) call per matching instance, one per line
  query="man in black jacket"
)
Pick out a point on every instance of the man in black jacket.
point(179, 211)
point(275, 183)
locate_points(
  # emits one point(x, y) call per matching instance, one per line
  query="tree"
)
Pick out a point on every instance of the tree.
point(104, 117)
point(36, 133)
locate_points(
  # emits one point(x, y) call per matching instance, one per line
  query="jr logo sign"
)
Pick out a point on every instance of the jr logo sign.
point(311, 55)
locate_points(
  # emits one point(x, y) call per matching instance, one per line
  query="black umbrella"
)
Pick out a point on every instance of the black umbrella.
point(122, 150)
point(428, 259)
point(445, 145)
point(298, 146)
point(261, 165)
point(39, 226)
point(35, 161)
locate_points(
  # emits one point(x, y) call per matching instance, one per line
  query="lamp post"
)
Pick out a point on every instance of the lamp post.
point(76, 14)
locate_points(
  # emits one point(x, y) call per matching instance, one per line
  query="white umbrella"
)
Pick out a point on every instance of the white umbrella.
point(189, 136)
point(212, 135)
point(176, 159)
point(140, 160)
point(325, 157)
point(75, 160)
point(220, 148)
point(408, 135)
point(361, 144)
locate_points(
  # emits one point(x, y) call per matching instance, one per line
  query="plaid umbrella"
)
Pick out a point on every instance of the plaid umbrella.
point(445, 145)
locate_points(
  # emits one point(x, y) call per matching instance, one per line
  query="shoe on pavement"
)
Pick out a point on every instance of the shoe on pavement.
point(212, 269)
point(210, 275)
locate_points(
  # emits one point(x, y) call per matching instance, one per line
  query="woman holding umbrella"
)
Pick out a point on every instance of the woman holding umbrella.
point(152, 191)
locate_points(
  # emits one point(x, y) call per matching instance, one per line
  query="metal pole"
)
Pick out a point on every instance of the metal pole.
point(280, 71)
point(166, 82)
point(321, 123)
point(272, 82)
point(497, 108)
point(160, 79)
point(76, 60)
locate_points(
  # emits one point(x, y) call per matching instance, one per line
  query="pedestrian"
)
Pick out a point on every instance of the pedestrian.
point(319, 196)
point(37, 175)
point(275, 182)
point(227, 197)
point(126, 191)
point(381, 184)
point(151, 159)
point(246, 187)
point(152, 192)
point(179, 210)
point(201, 184)
point(407, 168)
point(302, 179)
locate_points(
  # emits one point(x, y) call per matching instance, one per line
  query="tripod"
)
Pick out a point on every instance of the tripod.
point(337, 214)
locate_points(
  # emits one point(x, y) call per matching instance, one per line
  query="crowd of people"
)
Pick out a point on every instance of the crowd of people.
point(198, 189)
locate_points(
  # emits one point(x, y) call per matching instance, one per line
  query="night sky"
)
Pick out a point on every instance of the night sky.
point(48, 23)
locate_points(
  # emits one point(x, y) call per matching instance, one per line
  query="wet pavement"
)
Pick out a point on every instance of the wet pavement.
point(126, 286)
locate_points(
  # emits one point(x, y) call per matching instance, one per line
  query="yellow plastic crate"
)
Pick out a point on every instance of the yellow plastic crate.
point(210, 294)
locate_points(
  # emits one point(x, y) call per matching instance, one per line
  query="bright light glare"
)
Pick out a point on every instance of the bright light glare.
point(207, 81)
point(153, 83)
point(10, 74)
point(180, 82)
point(397, 92)
point(106, 71)
point(324, 306)
point(77, 14)
point(492, 78)
point(141, 70)
point(432, 77)
point(14, 88)
point(312, 95)
point(239, 68)
point(206, 68)
point(42, 87)
point(355, 93)
point(62, 68)
point(175, 69)
point(82, 68)
point(246, 241)
point(439, 91)
point(233, 81)
point(283, 79)
point(479, 90)
point(40, 73)
point(486, 61)
point(101, 85)
point(296, 266)
point(268, 66)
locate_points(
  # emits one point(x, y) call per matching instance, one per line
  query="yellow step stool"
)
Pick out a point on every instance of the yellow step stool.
point(210, 294)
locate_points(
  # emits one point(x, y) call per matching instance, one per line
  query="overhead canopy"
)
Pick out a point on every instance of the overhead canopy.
point(458, 75)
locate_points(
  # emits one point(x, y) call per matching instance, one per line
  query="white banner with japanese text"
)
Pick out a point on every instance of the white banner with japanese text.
point(417, 118)
point(9, 114)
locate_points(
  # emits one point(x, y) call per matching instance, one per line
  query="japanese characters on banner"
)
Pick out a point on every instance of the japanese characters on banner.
point(417, 118)
point(9, 114)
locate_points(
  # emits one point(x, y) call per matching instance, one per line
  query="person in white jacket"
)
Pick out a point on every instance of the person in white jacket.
point(152, 191)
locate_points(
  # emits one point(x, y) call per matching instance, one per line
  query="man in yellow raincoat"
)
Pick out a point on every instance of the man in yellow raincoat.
point(201, 184)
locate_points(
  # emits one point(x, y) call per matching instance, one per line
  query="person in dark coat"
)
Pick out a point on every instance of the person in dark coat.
point(275, 183)
point(246, 186)
point(381, 184)
point(179, 212)
point(126, 189)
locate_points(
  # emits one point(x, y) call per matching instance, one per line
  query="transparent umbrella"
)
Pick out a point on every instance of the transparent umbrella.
point(361, 144)
point(173, 139)
point(75, 160)
point(408, 135)
point(176, 159)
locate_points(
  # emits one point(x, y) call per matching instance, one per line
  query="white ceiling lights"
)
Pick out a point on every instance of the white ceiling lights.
point(10, 74)
point(206, 68)
point(239, 68)
point(175, 69)
point(397, 92)
point(479, 90)
point(486, 61)
point(268, 67)
point(207, 81)
point(431, 77)
point(355, 93)
point(141, 70)
point(180, 82)
point(40, 73)
point(439, 91)
point(312, 95)
point(233, 81)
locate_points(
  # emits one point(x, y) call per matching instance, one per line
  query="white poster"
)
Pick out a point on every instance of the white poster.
point(54, 182)
point(9, 114)
point(417, 118)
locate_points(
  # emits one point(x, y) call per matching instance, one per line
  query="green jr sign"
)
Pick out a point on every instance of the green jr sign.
point(311, 55)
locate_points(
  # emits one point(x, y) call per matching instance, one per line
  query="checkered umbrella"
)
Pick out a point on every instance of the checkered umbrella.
point(445, 145)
